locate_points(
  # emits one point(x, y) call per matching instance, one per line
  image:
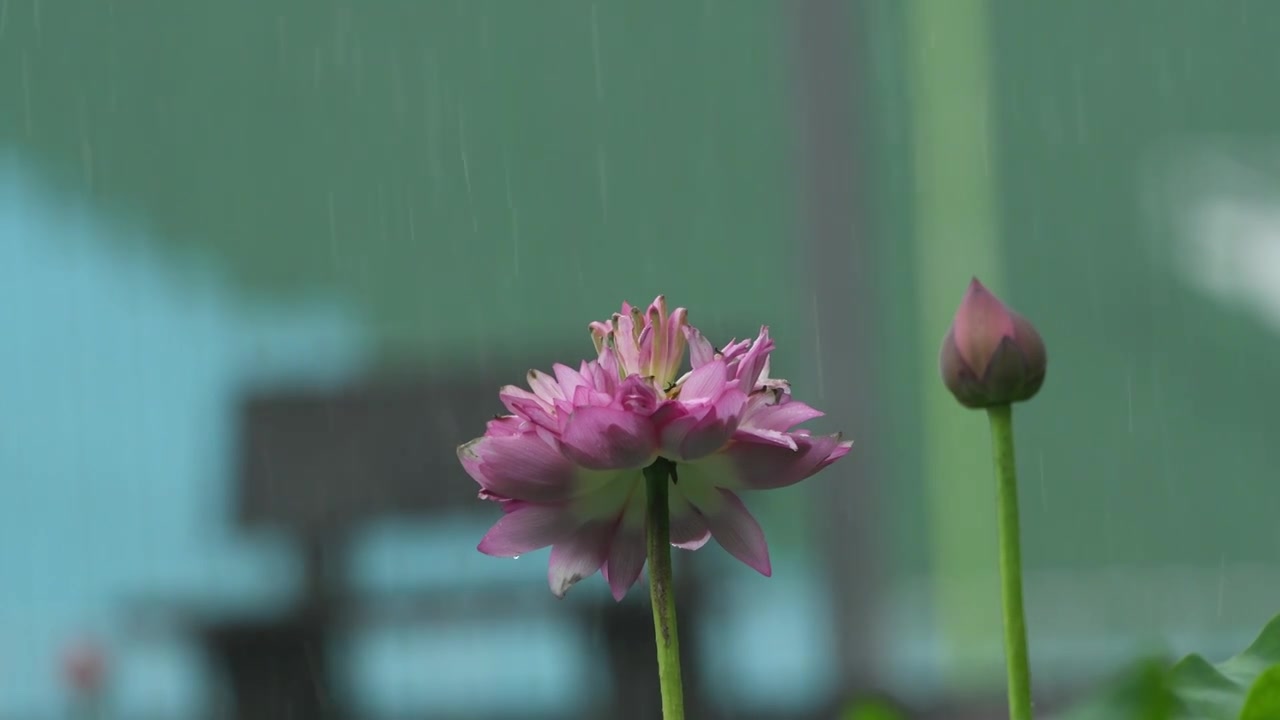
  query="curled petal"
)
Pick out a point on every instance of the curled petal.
point(766, 437)
point(733, 352)
point(526, 527)
point(781, 417)
point(602, 438)
point(637, 396)
point(580, 554)
point(759, 466)
point(626, 332)
point(753, 362)
point(840, 450)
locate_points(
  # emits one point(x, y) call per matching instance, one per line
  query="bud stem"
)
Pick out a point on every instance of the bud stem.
point(1015, 623)
point(661, 591)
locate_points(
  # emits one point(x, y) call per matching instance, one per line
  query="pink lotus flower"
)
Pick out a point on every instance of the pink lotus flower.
point(567, 465)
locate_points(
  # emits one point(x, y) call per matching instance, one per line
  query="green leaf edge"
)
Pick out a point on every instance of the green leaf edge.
point(1243, 687)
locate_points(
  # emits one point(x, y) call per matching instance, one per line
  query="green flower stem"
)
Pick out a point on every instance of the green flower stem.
point(661, 592)
point(1015, 622)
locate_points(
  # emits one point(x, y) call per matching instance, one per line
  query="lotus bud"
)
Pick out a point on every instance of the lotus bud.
point(991, 356)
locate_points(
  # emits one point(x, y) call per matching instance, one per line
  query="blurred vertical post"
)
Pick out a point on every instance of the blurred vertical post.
point(956, 228)
point(839, 275)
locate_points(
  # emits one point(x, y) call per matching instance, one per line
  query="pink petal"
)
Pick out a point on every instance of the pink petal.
point(751, 365)
point(506, 425)
point(519, 401)
point(674, 420)
point(624, 340)
point(645, 343)
point(579, 555)
point(688, 529)
point(602, 374)
point(545, 386)
point(701, 351)
point(732, 353)
point(781, 417)
point(586, 397)
point(840, 451)
point(626, 560)
point(756, 466)
point(636, 395)
point(602, 438)
point(675, 343)
point(523, 467)
point(533, 410)
point(568, 379)
point(735, 529)
point(713, 431)
point(524, 528)
point(766, 437)
point(705, 382)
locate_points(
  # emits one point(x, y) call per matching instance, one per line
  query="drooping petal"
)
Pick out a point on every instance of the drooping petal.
point(603, 438)
point(627, 554)
point(526, 527)
point(625, 563)
point(580, 554)
point(523, 467)
point(688, 530)
point(731, 524)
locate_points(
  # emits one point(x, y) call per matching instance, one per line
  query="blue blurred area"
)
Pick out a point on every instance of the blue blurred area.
point(118, 435)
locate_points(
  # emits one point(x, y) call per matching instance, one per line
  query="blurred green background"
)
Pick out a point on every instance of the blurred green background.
point(204, 202)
